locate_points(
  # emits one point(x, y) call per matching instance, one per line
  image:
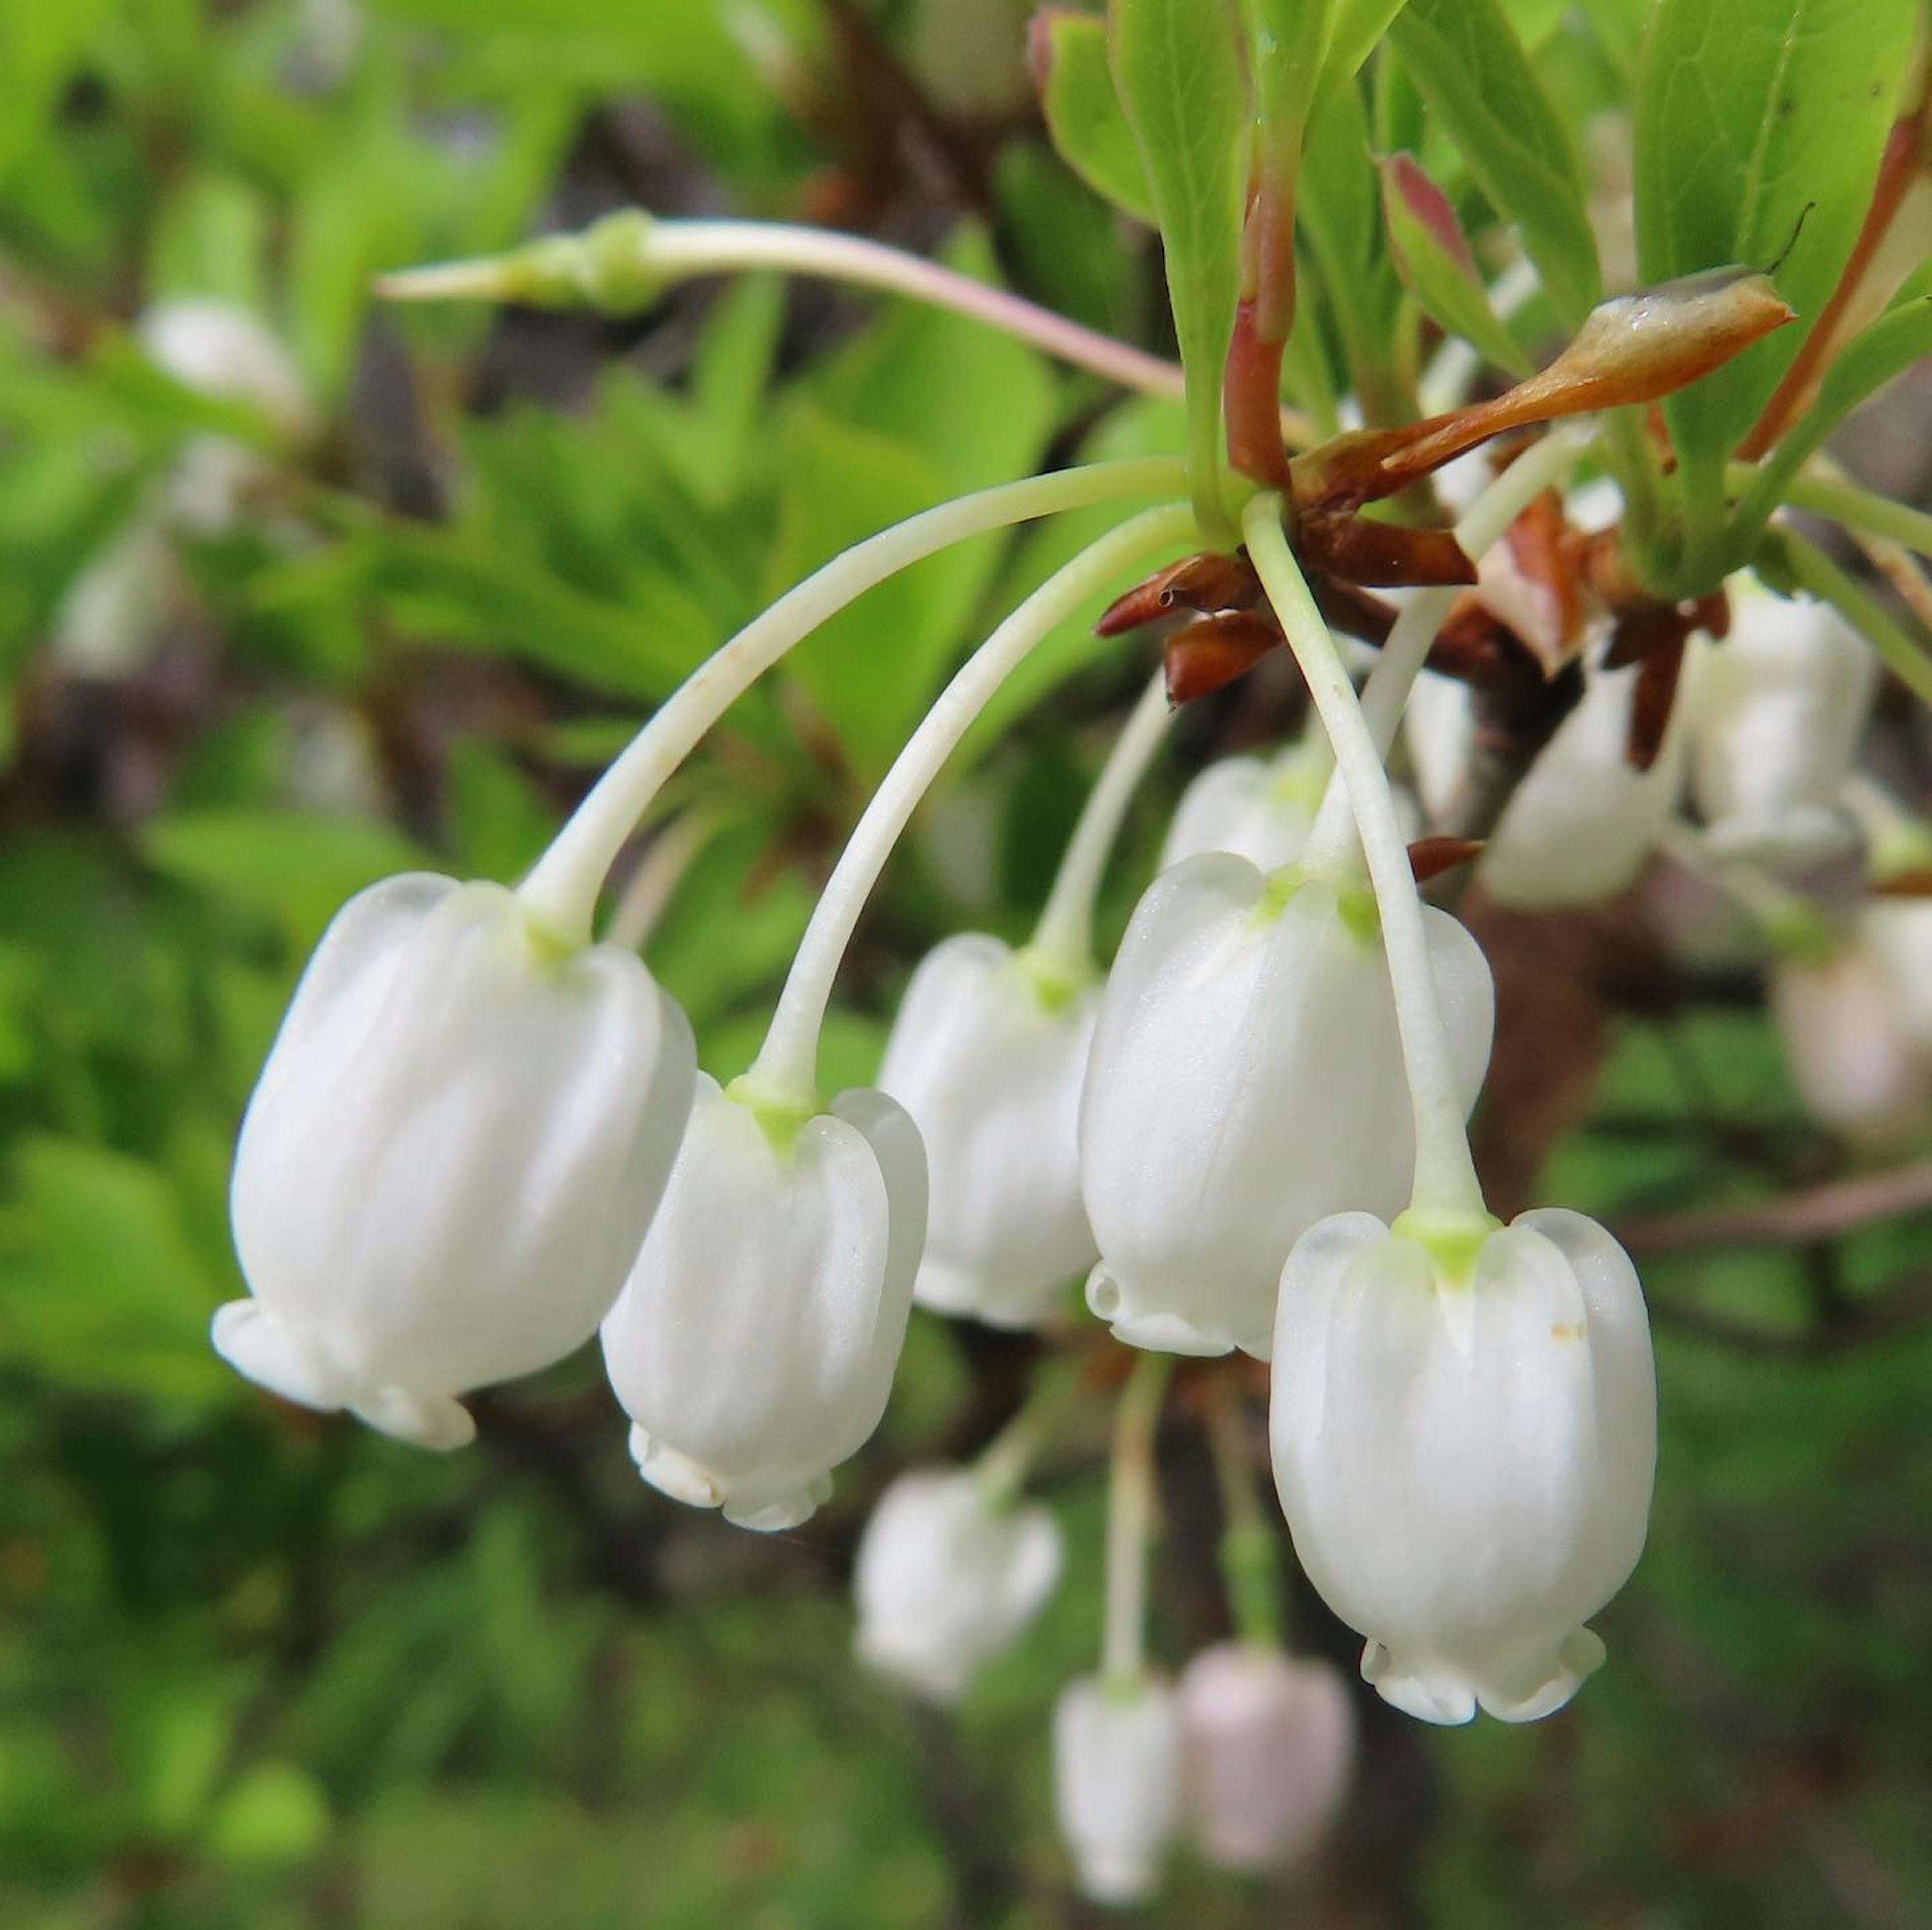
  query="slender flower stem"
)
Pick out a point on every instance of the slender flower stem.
point(1846, 503)
point(1792, 924)
point(1900, 653)
point(1248, 1550)
point(1446, 1186)
point(785, 1071)
point(660, 871)
point(1130, 1511)
point(563, 887)
point(1063, 942)
point(672, 251)
point(1003, 1466)
point(1407, 647)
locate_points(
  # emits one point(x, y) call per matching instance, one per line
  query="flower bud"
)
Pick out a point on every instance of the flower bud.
point(1856, 1026)
point(947, 1577)
point(1464, 1449)
point(754, 1344)
point(1779, 708)
point(1117, 1783)
point(1267, 1742)
point(1246, 1080)
point(450, 1157)
point(987, 1055)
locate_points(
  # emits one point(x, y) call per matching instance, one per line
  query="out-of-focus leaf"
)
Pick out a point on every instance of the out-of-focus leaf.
point(40, 48)
point(1465, 59)
point(1751, 115)
point(275, 1813)
point(288, 866)
point(1084, 113)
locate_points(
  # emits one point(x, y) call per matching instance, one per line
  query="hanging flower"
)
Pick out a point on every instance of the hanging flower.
point(1856, 1024)
point(1117, 1783)
point(1779, 709)
point(754, 1343)
point(450, 1157)
point(1246, 1080)
point(1465, 1452)
point(1267, 1742)
point(948, 1575)
point(987, 1055)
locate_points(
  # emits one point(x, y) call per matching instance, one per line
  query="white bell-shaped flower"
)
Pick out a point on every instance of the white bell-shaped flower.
point(754, 1344)
point(1267, 1742)
point(1117, 1783)
point(1259, 808)
point(452, 1156)
point(1246, 1081)
point(1465, 1453)
point(987, 1055)
point(1856, 1026)
point(948, 1573)
point(1779, 708)
point(1582, 822)
point(220, 349)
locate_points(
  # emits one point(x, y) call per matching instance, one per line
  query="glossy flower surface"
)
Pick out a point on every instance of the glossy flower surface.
point(1464, 1454)
point(754, 1344)
point(987, 1056)
point(1246, 1081)
point(451, 1157)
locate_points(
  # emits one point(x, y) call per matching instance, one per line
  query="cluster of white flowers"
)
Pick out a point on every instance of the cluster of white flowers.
point(481, 1138)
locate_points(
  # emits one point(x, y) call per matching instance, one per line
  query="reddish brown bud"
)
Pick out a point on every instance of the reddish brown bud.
point(1403, 180)
point(1652, 703)
point(1358, 550)
point(1210, 653)
point(1430, 857)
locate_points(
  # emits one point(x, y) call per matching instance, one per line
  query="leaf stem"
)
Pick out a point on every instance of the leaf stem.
point(562, 887)
point(786, 1068)
point(1446, 1185)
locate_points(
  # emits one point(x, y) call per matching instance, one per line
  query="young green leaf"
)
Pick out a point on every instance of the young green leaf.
point(1466, 61)
point(1068, 53)
point(1178, 69)
point(1754, 117)
point(1434, 263)
point(1355, 30)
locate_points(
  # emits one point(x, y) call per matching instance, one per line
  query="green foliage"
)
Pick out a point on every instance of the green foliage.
point(1084, 113)
point(1751, 115)
point(1177, 69)
point(1467, 62)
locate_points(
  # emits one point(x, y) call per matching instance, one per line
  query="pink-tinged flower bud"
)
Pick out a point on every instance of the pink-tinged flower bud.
point(451, 1159)
point(987, 1055)
point(1246, 1081)
point(1778, 710)
point(754, 1344)
point(1117, 1783)
point(1856, 1026)
point(1267, 1742)
point(1464, 1449)
point(947, 1576)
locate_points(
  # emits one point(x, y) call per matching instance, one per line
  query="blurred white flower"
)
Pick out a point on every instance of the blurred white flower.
point(947, 1576)
point(987, 1054)
point(754, 1344)
point(1246, 1080)
point(1464, 1454)
point(1117, 1783)
point(1267, 1743)
point(451, 1159)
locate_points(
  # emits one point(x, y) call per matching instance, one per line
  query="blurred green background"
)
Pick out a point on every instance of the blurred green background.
point(259, 1669)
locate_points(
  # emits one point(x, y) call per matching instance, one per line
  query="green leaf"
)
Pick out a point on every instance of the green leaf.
point(1288, 42)
point(1084, 113)
point(1436, 265)
point(1877, 354)
point(1354, 33)
point(1748, 113)
point(295, 868)
point(1177, 68)
point(1468, 65)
